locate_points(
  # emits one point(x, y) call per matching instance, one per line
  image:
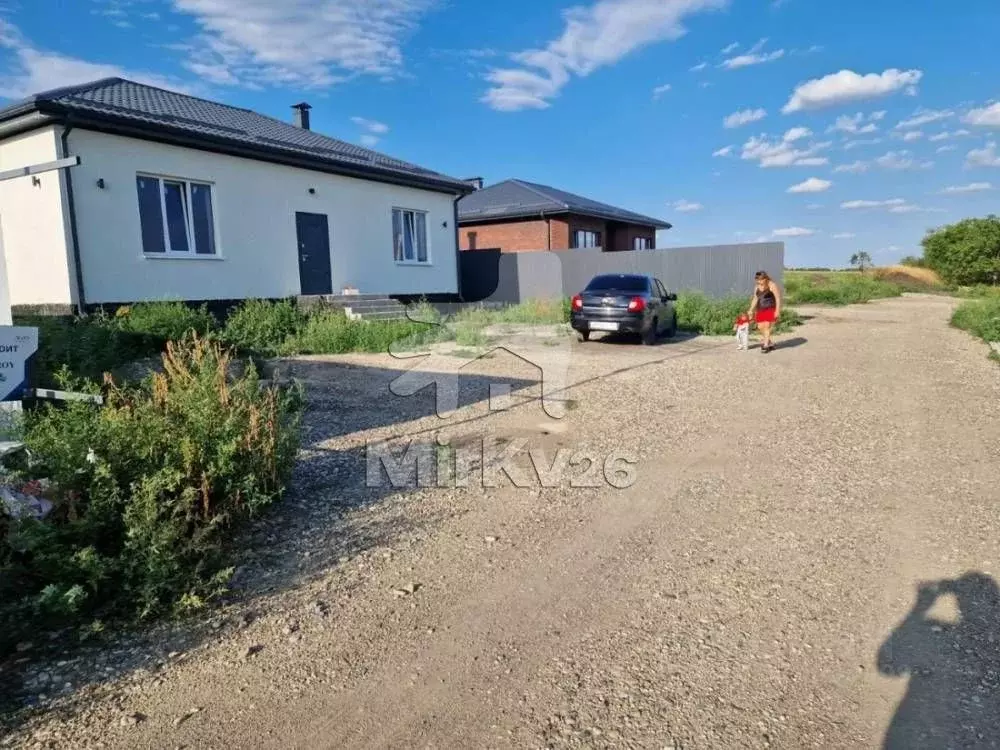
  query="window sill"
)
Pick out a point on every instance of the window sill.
point(180, 256)
point(413, 263)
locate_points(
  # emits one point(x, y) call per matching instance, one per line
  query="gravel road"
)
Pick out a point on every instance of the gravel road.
point(806, 559)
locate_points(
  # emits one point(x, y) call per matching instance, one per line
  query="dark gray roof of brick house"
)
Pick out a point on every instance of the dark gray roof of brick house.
point(518, 199)
point(130, 108)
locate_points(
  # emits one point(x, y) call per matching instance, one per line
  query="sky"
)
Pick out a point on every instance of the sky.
point(834, 126)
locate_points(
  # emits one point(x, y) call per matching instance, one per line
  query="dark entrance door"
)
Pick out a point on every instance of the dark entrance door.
point(313, 235)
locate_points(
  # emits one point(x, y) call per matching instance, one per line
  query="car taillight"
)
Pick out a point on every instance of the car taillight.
point(577, 302)
point(636, 304)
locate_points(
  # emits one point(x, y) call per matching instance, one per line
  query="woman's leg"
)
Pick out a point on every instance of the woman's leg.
point(765, 332)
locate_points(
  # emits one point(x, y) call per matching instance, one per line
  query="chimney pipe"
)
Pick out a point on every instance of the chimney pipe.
point(301, 116)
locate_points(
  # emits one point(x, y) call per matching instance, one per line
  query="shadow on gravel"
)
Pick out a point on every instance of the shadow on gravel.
point(300, 540)
point(952, 658)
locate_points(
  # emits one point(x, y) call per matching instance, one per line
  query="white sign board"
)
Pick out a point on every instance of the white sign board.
point(17, 343)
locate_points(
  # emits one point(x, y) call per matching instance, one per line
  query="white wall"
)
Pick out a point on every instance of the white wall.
point(35, 236)
point(254, 205)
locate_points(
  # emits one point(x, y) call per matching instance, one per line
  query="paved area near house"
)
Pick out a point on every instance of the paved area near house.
point(757, 585)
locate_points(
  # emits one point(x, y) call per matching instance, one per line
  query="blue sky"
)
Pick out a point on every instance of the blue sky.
point(834, 125)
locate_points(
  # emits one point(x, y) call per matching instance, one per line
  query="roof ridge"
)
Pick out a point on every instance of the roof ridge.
point(534, 189)
point(119, 79)
point(73, 89)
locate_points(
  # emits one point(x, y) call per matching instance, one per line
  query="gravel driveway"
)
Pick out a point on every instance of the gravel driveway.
point(755, 587)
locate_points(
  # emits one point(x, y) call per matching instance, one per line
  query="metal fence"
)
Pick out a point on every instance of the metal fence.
point(717, 270)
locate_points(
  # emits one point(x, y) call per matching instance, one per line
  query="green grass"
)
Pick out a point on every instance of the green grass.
point(980, 317)
point(697, 313)
point(836, 288)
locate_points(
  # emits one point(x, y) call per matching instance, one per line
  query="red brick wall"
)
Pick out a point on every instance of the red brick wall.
point(509, 236)
point(536, 234)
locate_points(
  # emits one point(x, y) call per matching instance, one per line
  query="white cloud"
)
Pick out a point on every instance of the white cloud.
point(754, 56)
point(33, 71)
point(854, 124)
point(372, 126)
point(857, 142)
point(661, 90)
point(302, 43)
point(848, 86)
point(785, 151)
point(946, 135)
point(687, 207)
point(793, 232)
point(972, 187)
point(913, 135)
point(699, 67)
point(844, 236)
point(594, 37)
point(856, 167)
point(901, 160)
point(987, 117)
point(891, 203)
point(744, 117)
point(731, 48)
point(925, 117)
point(368, 140)
point(983, 157)
point(724, 151)
point(943, 149)
point(812, 185)
point(814, 206)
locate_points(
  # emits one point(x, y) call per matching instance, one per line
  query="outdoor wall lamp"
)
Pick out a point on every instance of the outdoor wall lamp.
point(312, 191)
point(444, 224)
point(100, 183)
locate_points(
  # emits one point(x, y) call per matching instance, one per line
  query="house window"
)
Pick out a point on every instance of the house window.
point(584, 238)
point(642, 243)
point(473, 237)
point(175, 216)
point(409, 236)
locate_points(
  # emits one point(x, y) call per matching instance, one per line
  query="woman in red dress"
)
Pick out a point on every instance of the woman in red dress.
point(765, 306)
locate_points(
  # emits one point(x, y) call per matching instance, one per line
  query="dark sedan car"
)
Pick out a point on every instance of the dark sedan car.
point(625, 303)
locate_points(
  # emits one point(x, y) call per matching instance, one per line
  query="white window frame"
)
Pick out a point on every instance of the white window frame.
point(427, 237)
point(645, 241)
point(598, 239)
point(191, 253)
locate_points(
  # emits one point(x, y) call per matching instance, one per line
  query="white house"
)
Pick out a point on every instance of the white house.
point(177, 197)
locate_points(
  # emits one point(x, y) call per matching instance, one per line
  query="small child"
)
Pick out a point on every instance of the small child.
point(742, 328)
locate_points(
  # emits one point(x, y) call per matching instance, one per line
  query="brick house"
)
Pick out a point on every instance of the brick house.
point(519, 216)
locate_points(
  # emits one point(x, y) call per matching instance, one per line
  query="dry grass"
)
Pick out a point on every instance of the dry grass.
point(909, 276)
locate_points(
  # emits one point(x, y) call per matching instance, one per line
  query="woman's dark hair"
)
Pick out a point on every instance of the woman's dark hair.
point(761, 276)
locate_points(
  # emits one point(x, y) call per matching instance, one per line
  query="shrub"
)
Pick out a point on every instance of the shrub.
point(261, 326)
point(912, 261)
point(980, 317)
point(146, 491)
point(715, 317)
point(331, 332)
point(164, 321)
point(967, 252)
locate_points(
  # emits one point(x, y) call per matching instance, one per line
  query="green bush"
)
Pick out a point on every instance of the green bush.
point(164, 321)
point(913, 262)
point(967, 252)
point(836, 288)
point(262, 327)
point(146, 491)
point(331, 332)
point(83, 347)
point(980, 317)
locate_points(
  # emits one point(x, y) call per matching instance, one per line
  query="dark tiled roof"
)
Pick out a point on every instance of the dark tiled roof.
point(513, 199)
point(158, 111)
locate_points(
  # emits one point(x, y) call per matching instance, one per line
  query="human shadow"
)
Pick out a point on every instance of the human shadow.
point(789, 343)
point(953, 696)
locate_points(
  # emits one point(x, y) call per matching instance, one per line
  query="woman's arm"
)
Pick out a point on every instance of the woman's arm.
point(777, 299)
point(753, 305)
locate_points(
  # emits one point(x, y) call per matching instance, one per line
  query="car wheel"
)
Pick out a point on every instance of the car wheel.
point(672, 329)
point(583, 335)
point(649, 335)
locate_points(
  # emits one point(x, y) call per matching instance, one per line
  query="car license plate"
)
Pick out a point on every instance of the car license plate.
point(602, 326)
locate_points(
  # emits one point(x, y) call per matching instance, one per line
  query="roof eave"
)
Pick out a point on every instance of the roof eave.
point(646, 221)
point(176, 136)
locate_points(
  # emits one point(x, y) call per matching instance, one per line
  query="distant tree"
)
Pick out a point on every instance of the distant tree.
point(862, 260)
point(913, 262)
point(967, 252)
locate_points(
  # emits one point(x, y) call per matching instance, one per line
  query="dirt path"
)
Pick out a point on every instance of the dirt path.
point(738, 594)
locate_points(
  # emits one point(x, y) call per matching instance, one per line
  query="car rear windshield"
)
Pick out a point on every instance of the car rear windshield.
point(618, 284)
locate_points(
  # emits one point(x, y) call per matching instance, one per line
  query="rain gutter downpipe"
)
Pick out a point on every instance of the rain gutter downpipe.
point(81, 300)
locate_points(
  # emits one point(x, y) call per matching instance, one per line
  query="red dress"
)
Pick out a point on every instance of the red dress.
point(767, 306)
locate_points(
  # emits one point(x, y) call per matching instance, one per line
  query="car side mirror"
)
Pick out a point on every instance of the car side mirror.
point(671, 298)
